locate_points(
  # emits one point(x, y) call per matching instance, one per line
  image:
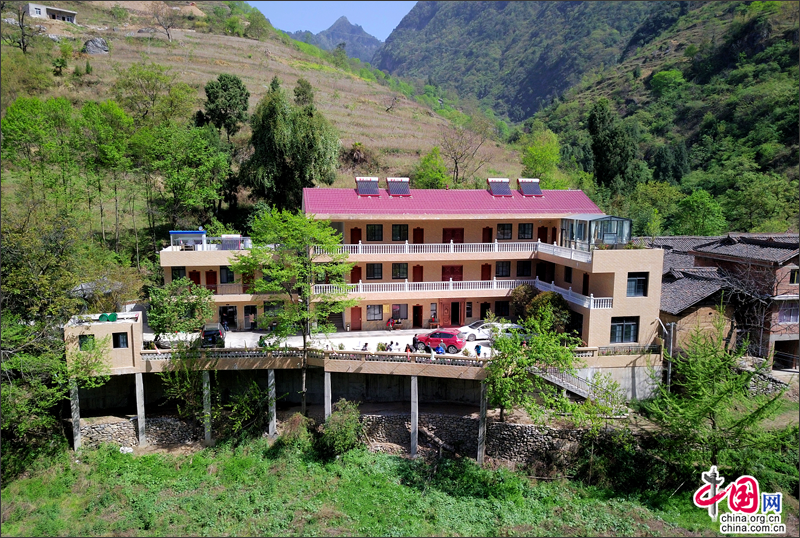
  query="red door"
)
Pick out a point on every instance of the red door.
point(456, 272)
point(486, 271)
point(211, 281)
point(417, 274)
point(542, 234)
point(456, 235)
point(194, 276)
point(355, 235)
point(487, 234)
point(355, 275)
point(355, 318)
point(419, 236)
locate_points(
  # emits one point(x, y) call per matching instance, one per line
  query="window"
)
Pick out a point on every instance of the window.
point(399, 232)
point(524, 268)
point(178, 273)
point(37, 11)
point(399, 270)
point(637, 284)
point(793, 277)
point(272, 308)
point(624, 330)
point(501, 308)
point(86, 342)
point(504, 231)
point(789, 312)
point(525, 231)
point(468, 309)
point(374, 271)
point(502, 269)
point(433, 310)
point(374, 232)
point(374, 312)
point(119, 340)
point(399, 311)
point(225, 275)
point(568, 275)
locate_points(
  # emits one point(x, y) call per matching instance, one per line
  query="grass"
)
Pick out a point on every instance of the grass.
point(258, 489)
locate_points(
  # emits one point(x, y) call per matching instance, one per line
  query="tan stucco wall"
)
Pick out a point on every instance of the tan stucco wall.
point(697, 317)
point(119, 358)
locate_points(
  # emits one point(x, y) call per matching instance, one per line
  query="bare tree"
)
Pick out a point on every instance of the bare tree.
point(460, 144)
point(23, 37)
point(166, 17)
point(752, 288)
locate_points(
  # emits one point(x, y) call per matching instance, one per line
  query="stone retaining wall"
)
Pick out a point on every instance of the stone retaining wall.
point(766, 384)
point(521, 443)
point(123, 431)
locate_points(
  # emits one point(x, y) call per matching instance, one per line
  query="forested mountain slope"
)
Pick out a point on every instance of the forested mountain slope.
point(513, 56)
point(358, 43)
point(708, 95)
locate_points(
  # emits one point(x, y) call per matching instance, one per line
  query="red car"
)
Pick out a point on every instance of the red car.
point(450, 339)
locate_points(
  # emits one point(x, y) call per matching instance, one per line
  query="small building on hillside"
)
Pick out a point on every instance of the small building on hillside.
point(39, 11)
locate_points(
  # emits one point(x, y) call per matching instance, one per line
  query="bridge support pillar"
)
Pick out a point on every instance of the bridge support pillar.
point(482, 426)
point(140, 408)
point(414, 416)
point(75, 406)
point(271, 388)
point(207, 407)
point(328, 395)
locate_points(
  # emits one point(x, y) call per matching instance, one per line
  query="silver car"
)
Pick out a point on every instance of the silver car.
point(482, 330)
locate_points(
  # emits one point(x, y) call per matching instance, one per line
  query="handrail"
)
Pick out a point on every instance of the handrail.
point(461, 248)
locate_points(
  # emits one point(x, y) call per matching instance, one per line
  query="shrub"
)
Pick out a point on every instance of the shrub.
point(88, 68)
point(342, 429)
point(297, 432)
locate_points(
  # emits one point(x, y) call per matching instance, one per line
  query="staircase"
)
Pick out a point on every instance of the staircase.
point(574, 384)
point(337, 320)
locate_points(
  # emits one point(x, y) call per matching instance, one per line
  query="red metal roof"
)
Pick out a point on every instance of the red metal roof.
point(475, 202)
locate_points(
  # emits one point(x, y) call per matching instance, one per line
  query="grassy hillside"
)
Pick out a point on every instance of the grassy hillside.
point(354, 102)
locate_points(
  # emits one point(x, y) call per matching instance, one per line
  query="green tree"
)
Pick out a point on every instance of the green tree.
point(430, 172)
point(303, 93)
point(192, 169)
point(293, 148)
point(226, 103)
point(761, 202)
point(259, 26)
point(709, 409)
point(649, 198)
point(613, 147)
point(294, 253)
point(509, 376)
point(699, 214)
point(340, 55)
point(555, 304)
point(541, 155)
point(150, 93)
point(666, 82)
point(180, 306)
point(342, 429)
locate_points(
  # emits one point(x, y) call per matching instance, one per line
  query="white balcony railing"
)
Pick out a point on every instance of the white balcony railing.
point(465, 285)
point(465, 248)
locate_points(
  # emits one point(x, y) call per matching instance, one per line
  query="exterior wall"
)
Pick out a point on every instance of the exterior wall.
point(118, 358)
point(782, 276)
point(45, 12)
point(611, 268)
point(473, 228)
point(698, 317)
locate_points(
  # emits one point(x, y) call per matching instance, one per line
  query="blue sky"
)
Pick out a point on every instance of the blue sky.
point(377, 18)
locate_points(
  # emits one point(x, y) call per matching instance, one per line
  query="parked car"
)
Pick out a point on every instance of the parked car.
point(482, 330)
point(213, 335)
point(451, 339)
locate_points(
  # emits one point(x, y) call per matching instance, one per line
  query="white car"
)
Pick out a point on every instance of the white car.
point(482, 330)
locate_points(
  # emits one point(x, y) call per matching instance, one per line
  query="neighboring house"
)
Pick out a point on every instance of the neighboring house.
point(756, 275)
point(54, 13)
point(761, 273)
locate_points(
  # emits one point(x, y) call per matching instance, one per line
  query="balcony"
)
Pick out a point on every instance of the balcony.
point(590, 302)
point(466, 248)
point(207, 244)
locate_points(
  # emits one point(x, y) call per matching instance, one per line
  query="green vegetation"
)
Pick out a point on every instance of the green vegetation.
point(430, 172)
point(286, 490)
point(293, 148)
point(180, 306)
point(226, 103)
point(287, 252)
point(342, 430)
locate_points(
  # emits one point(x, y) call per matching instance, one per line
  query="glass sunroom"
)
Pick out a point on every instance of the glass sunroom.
point(590, 231)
